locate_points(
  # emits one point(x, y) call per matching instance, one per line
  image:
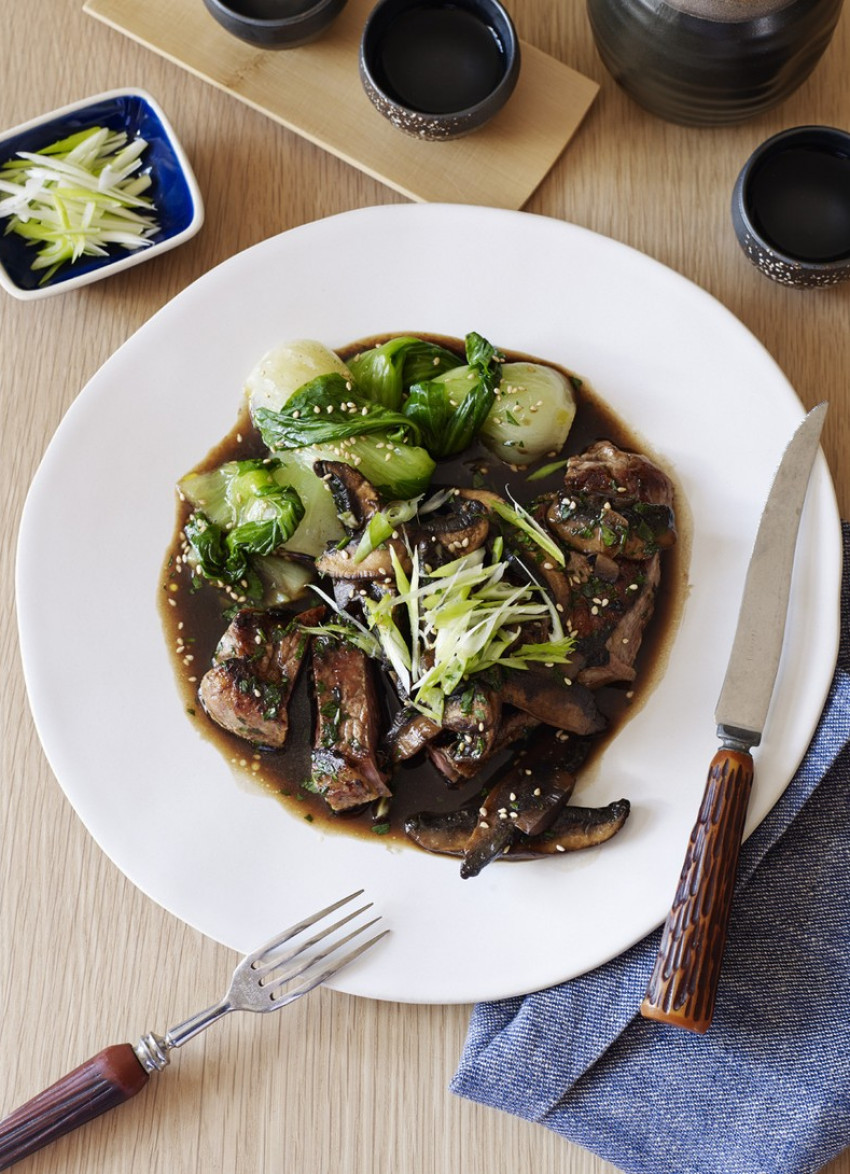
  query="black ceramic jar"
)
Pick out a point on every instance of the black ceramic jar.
point(711, 62)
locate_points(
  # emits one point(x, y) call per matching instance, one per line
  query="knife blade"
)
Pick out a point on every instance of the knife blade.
point(682, 988)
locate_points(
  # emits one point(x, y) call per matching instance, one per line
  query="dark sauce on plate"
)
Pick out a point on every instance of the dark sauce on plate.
point(194, 622)
point(799, 200)
point(440, 59)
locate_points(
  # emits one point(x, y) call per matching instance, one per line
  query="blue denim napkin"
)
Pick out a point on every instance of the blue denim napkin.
point(767, 1089)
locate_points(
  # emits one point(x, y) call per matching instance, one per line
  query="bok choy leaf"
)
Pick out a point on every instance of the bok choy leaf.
point(385, 373)
point(450, 422)
point(337, 423)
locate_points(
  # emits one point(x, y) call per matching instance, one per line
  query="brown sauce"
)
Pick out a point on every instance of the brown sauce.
point(194, 621)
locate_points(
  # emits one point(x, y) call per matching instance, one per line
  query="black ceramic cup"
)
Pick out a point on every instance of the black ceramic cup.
point(438, 70)
point(275, 24)
point(791, 207)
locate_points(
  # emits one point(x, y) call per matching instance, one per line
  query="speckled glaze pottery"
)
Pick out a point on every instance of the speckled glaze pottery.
point(275, 24)
point(785, 183)
point(711, 62)
point(434, 121)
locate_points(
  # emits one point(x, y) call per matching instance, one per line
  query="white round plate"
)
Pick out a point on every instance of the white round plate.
point(161, 800)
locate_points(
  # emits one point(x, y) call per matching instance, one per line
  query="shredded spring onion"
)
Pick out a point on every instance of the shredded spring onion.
point(463, 619)
point(522, 520)
point(382, 526)
point(78, 196)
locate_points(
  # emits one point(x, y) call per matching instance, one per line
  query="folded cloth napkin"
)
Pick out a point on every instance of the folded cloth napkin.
point(767, 1089)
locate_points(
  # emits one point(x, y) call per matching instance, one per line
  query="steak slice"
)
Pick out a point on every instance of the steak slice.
point(631, 602)
point(345, 767)
point(614, 503)
point(256, 665)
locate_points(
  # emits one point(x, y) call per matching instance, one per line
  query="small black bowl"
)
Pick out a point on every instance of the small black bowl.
point(275, 24)
point(438, 69)
point(791, 207)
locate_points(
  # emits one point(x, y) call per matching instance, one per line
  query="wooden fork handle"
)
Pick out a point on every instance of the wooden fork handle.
point(683, 984)
point(106, 1080)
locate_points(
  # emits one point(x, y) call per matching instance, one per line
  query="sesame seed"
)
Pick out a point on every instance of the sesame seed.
point(484, 824)
point(560, 848)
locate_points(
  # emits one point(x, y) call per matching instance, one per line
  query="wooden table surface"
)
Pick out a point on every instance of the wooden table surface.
point(336, 1083)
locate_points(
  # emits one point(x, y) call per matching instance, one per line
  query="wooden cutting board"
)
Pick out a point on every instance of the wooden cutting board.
point(315, 91)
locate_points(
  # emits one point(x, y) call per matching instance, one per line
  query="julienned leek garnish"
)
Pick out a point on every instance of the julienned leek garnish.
point(78, 196)
point(461, 619)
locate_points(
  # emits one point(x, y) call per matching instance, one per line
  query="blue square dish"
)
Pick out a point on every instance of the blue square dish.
point(174, 189)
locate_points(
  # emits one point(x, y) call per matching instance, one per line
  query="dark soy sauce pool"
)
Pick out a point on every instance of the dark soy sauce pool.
point(439, 60)
point(195, 621)
point(799, 199)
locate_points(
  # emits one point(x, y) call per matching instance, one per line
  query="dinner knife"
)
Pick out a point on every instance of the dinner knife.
point(683, 984)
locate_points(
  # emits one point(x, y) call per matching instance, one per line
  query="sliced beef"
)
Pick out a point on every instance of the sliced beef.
point(631, 602)
point(256, 665)
point(345, 768)
point(604, 470)
point(614, 503)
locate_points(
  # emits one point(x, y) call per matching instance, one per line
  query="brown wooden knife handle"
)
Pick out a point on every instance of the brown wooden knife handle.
point(683, 984)
point(106, 1080)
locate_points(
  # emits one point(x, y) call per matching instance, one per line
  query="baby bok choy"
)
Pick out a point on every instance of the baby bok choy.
point(304, 400)
point(530, 415)
point(450, 422)
point(329, 417)
point(386, 373)
point(244, 511)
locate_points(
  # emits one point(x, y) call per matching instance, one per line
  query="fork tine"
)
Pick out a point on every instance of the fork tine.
point(311, 981)
point(303, 965)
point(274, 962)
point(293, 930)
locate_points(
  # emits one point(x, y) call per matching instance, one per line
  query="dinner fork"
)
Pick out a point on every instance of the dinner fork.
point(266, 980)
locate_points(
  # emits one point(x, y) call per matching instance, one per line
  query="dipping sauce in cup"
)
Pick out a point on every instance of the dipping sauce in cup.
point(438, 70)
point(791, 207)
